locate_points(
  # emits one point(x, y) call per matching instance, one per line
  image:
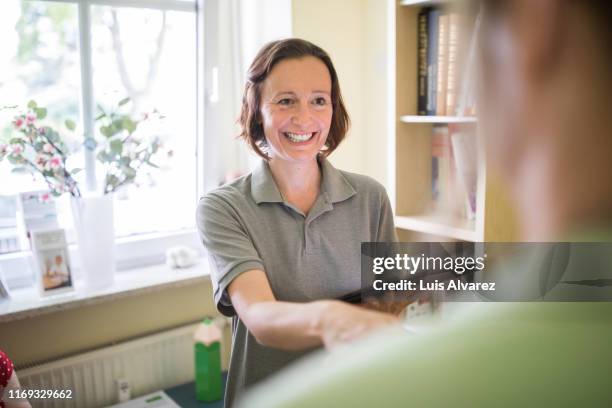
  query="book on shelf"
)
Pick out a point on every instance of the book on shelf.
point(422, 84)
point(441, 168)
point(442, 75)
point(466, 102)
point(453, 172)
point(451, 64)
point(444, 63)
point(464, 151)
point(432, 60)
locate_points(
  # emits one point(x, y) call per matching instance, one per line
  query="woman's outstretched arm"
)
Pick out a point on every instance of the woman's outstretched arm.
point(298, 326)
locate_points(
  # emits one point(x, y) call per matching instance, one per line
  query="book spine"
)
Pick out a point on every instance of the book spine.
point(465, 153)
point(432, 60)
point(442, 65)
point(440, 162)
point(466, 104)
point(453, 53)
point(422, 63)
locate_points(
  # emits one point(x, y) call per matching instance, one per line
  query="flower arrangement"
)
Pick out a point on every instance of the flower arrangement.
point(123, 150)
point(40, 150)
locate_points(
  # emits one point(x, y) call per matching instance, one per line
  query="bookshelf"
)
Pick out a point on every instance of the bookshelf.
point(437, 119)
point(410, 151)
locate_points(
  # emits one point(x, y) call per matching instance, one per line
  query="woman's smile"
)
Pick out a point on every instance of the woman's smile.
point(300, 138)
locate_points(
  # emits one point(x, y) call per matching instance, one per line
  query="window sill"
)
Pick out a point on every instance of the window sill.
point(132, 252)
point(27, 302)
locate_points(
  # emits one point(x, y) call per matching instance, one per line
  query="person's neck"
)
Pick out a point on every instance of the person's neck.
point(564, 188)
point(298, 182)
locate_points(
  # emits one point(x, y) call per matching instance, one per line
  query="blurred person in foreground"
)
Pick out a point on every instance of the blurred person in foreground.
point(545, 102)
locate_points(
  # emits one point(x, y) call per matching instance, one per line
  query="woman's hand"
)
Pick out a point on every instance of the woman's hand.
point(342, 323)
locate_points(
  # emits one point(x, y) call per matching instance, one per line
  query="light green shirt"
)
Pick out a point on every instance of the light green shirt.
point(503, 355)
point(555, 354)
point(247, 225)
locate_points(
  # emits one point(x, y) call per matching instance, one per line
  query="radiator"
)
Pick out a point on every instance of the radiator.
point(149, 364)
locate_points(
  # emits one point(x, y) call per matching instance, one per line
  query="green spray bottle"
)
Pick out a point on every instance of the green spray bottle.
point(208, 362)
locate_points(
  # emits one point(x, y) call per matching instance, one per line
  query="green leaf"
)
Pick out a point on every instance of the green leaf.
point(118, 124)
point(32, 104)
point(19, 170)
point(70, 124)
point(15, 160)
point(116, 146)
point(112, 180)
point(100, 108)
point(104, 157)
point(41, 113)
point(100, 116)
point(106, 130)
point(124, 101)
point(128, 124)
point(152, 164)
point(53, 136)
point(129, 172)
point(75, 171)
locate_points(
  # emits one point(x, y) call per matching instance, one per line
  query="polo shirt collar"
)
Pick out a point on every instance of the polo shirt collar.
point(263, 187)
point(334, 185)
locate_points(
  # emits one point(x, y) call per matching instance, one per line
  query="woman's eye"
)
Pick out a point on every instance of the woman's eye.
point(285, 101)
point(320, 101)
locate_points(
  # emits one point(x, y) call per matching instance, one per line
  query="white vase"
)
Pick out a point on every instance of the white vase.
point(95, 234)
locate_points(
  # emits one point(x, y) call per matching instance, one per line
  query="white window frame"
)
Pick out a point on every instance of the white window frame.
point(142, 249)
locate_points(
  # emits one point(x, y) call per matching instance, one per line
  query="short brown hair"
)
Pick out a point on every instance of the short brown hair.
point(251, 128)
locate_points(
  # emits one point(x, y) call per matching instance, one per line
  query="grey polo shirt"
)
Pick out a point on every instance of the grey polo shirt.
point(247, 225)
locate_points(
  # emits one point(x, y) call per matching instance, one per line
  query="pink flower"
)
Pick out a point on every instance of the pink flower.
point(3, 148)
point(18, 123)
point(48, 148)
point(30, 118)
point(45, 197)
point(16, 149)
point(55, 162)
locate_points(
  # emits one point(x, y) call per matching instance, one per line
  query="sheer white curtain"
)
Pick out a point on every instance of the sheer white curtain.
point(234, 30)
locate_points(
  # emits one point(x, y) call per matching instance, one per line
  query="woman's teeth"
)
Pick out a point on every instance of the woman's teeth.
point(299, 137)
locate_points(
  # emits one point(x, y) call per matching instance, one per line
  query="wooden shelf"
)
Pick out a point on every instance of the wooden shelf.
point(464, 230)
point(422, 2)
point(410, 149)
point(437, 119)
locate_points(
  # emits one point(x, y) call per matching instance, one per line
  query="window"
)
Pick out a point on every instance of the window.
point(149, 56)
point(74, 56)
point(39, 60)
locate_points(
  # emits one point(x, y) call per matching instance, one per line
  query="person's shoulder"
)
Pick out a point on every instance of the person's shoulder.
point(230, 193)
point(364, 184)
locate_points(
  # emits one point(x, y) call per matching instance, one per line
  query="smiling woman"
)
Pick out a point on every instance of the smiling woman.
point(285, 239)
point(296, 117)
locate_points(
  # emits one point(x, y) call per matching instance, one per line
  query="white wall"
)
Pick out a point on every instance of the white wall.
point(353, 32)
